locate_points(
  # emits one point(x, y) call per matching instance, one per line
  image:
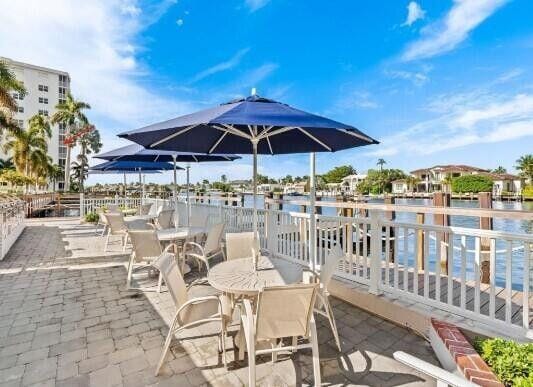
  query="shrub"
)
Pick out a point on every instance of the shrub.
point(528, 191)
point(511, 362)
point(91, 217)
point(472, 183)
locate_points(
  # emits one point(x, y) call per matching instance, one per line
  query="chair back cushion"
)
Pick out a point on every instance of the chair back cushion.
point(239, 245)
point(144, 209)
point(332, 261)
point(166, 264)
point(146, 245)
point(164, 219)
point(285, 311)
point(116, 223)
point(214, 238)
point(198, 219)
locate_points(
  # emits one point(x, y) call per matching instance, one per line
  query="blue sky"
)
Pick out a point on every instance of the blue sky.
point(434, 81)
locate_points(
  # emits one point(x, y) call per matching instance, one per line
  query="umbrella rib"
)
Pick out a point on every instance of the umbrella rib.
point(270, 146)
point(217, 142)
point(194, 157)
point(171, 136)
point(314, 139)
point(360, 136)
point(232, 130)
point(279, 131)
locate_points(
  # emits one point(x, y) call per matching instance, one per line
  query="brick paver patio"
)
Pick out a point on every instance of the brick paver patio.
point(66, 319)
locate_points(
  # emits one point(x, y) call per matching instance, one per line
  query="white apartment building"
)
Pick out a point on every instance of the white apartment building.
point(45, 88)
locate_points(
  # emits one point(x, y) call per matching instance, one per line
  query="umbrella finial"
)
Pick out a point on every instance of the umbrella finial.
point(254, 91)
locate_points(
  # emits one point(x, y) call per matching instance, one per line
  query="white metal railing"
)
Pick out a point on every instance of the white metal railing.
point(11, 224)
point(88, 205)
point(439, 266)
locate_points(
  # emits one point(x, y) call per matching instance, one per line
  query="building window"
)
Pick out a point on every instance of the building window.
point(61, 100)
point(63, 80)
point(20, 123)
point(62, 162)
point(43, 112)
point(20, 109)
point(43, 100)
point(43, 88)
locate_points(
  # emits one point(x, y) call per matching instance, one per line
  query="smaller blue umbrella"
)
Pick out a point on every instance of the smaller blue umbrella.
point(126, 167)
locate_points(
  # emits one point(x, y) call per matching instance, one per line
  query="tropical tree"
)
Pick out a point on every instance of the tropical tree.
point(29, 147)
point(500, 169)
point(55, 173)
point(8, 105)
point(70, 113)
point(79, 173)
point(223, 178)
point(88, 138)
point(338, 173)
point(6, 164)
point(525, 166)
point(412, 182)
point(447, 182)
point(381, 163)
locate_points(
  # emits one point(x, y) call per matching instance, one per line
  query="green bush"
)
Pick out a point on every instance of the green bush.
point(91, 217)
point(472, 183)
point(511, 362)
point(528, 191)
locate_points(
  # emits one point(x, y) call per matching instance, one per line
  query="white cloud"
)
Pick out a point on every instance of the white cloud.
point(95, 41)
point(414, 13)
point(179, 22)
point(446, 34)
point(254, 5)
point(222, 66)
point(253, 77)
point(418, 78)
point(465, 121)
point(352, 99)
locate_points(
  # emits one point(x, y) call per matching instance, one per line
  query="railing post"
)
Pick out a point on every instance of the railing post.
point(271, 232)
point(82, 205)
point(375, 252)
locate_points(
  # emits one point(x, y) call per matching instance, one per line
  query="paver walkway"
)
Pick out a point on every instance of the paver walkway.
point(66, 319)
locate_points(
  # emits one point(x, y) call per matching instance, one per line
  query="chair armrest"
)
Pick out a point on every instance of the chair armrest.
point(312, 275)
point(199, 300)
point(247, 320)
point(192, 245)
point(167, 249)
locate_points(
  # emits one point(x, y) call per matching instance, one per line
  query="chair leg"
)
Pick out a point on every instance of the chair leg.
point(331, 318)
point(251, 363)
point(159, 282)
point(125, 241)
point(106, 241)
point(316, 359)
point(130, 273)
point(166, 347)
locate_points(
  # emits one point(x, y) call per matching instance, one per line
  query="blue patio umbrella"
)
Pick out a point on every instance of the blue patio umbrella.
point(252, 125)
point(136, 152)
point(126, 167)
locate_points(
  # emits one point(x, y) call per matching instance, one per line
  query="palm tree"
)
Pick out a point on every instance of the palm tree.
point(88, 138)
point(6, 164)
point(55, 172)
point(447, 183)
point(8, 84)
point(525, 166)
point(412, 182)
point(29, 148)
point(70, 113)
point(79, 172)
point(380, 163)
point(500, 169)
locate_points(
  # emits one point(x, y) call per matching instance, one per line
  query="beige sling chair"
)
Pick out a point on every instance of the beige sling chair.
point(323, 306)
point(116, 227)
point(240, 244)
point(144, 209)
point(146, 249)
point(210, 249)
point(191, 311)
point(281, 312)
point(164, 219)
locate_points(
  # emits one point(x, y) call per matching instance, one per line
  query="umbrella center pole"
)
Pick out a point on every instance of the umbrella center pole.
point(175, 187)
point(312, 216)
point(254, 184)
point(188, 198)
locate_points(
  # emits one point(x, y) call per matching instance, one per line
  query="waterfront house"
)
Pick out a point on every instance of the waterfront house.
point(435, 178)
point(400, 186)
point(350, 182)
point(268, 187)
point(239, 185)
point(295, 188)
point(505, 183)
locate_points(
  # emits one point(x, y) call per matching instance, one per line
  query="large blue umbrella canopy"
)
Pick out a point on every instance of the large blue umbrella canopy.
point(136, 152)
point(233, 127)
point(252, 125)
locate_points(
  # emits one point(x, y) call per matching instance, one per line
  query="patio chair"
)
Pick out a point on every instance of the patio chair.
point(281, 312)
point(144, 209)
point(164, 219)
point(210, 249)
point(198, 219)
point(116, 227)
point(191, 311)
point(102, 221)
point(146, 249)
point(323, 306)
point(240, 244)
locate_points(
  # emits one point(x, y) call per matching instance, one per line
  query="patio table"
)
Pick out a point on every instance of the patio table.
point(238, 276)
point(180, 235)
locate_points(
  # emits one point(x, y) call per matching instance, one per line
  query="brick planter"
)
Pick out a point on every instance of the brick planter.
point(464, 355)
